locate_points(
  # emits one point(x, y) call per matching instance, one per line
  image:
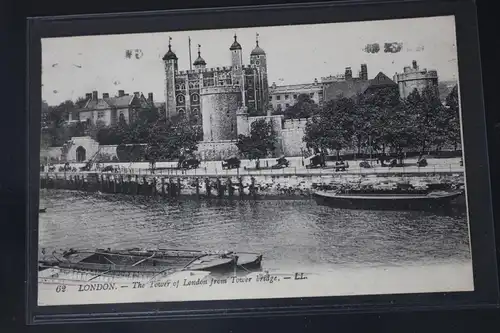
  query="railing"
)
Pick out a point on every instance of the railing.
point(217, 171)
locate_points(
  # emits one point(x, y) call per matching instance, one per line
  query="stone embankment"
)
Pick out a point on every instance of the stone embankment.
point(268, 186)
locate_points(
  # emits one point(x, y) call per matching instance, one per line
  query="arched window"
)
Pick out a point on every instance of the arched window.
point(195, 111)
point(191, 85)
point(177, 87)
point(121, 117)
point(195, 97)
point(180, 99)
point(181, 112)
point(183, 86)
point(257, 62)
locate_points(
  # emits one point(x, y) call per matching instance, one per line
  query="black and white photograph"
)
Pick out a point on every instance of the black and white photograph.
point(253, 163)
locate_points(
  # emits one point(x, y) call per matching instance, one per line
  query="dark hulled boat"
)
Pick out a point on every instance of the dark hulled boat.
point(388, 200)
point(148, 261)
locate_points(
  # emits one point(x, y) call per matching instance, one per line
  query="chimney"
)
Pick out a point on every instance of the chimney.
point(415, 64)
point(105, 95)
point(364, 72)
point(121, 93)
point(150, 96)
point(94, 95)
point(348, 73)
point(88, 96)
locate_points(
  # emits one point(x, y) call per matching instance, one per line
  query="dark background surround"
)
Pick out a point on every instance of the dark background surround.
point(12, 189)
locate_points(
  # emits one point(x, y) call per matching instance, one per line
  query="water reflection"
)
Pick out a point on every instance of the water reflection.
point(289, 233)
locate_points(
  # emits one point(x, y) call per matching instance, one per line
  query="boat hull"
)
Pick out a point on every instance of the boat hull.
point(387, 202)
point(149, 262)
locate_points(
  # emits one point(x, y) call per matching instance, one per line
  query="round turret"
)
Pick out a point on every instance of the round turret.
point(257, 50)
point(235, 45)
point(199, 61)
point(170, 55)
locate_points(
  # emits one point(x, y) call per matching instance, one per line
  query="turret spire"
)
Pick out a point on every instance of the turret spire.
point(170, 55)
point(236, 45)
point(199, 61)
point(257, 39)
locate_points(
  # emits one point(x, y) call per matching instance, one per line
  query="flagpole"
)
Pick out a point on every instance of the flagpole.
point(190, 62)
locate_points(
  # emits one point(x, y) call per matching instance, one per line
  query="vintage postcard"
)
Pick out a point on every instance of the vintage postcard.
point(267, 162)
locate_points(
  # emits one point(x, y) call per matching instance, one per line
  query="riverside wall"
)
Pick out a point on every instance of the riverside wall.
point(253, 186)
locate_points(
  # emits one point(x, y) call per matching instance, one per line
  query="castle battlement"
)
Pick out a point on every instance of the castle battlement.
point(416, 75)
point(220, 90)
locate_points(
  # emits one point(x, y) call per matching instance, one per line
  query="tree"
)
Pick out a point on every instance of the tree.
point(429, 118)
point(171, 140)
point(399, 133)
point(331, 127)
point(453, 118)
point(305, 107)
point(260, 142)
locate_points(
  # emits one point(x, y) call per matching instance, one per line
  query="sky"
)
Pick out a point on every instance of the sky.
point(73, 66)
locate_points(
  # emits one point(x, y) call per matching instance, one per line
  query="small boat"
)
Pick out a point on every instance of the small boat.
point(149, 261)
point(387, 200)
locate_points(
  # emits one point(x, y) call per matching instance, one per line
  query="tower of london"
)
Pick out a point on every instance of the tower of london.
point(213, 96)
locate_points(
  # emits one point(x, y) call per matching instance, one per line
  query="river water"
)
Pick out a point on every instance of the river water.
point(291, 234)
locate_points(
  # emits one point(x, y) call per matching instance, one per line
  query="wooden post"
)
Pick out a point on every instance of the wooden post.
point(171, 190)
point(252, 186)
point(153, 189)
point(197, 183)
point(108, 183)
point(230, 188)
point(240, 186)
point(145, 186)
point(220, 190)
point(207, 187)
point(137, 187)
point(129, 184)
point(162, 186)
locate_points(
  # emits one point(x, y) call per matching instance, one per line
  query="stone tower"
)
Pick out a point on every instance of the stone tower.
point(259, 60)
point(236, 53)
point(219, 105)
point(415, 78)
point(170, 65)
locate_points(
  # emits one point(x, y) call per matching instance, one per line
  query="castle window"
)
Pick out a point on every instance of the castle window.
point(181, 112)
point(195, 111)
point(287, 96)
point(195, 97)
point(183, 87)
point(294, 96)
point(121, 117)
point(221, 82)
point(177, 87)
point(100, 114)
point(191, 85)
point(257, 62)
point(180, 99)
point(278, 97)
point(270, 98)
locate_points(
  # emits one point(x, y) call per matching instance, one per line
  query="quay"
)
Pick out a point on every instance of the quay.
point(239, 183)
